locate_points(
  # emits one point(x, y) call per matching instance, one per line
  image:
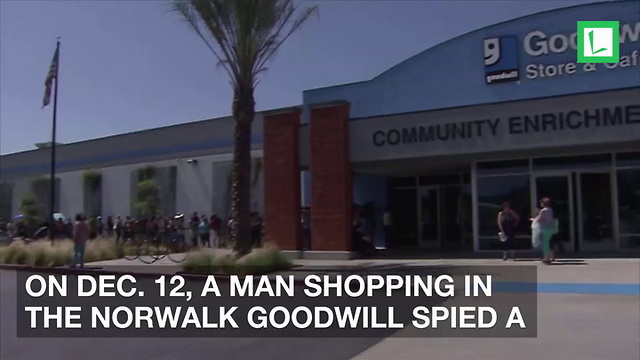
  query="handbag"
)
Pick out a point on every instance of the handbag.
point(502, 236)
point(556, 226)
point(535, 235)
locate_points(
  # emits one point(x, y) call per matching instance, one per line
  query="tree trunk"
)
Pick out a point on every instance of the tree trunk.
point(243, 112)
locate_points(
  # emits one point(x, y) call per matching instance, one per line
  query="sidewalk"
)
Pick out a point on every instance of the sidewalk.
point(591, 325)
point(575, 271)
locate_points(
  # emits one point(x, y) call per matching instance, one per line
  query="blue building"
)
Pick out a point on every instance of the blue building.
point(441, 140)
point(503, 113)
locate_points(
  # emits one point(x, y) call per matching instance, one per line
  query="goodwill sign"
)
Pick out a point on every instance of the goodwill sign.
point(502, 63)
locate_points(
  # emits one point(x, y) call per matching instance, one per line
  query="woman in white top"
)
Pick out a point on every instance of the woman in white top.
point(547, 225)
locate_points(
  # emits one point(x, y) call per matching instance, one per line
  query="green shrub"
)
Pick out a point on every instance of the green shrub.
point(39, 253)
point(44, 253)
point(264, 261)
point(199, 262)
point(260, 261)
point(101, 249)
point(61, 253)
point(15, 253)
point(225, 264)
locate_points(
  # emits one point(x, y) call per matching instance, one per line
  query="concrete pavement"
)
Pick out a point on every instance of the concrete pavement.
point(599, 322)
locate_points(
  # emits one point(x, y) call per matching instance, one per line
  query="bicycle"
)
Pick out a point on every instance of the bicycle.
point(176, 247)
point(129, 248)
point(140, 247)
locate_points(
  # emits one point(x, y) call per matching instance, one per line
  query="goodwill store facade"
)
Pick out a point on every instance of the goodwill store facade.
point(503, 113)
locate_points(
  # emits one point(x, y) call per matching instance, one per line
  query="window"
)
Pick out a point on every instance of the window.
point(492, 192)
point(409, 181)
point(41, 188)
point(629, 207)
point(561, 163)
point(92, 193)
point(154, 190)
point(453, 179)
point(503, 167)
point(167, 189)
point(6, 200)
point(404, 214)
point(628, 159)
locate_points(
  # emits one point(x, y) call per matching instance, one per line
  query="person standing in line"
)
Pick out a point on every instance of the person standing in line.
point(128, 229)
point(110, 225)
point(80, 237)
point(59, 228)
point(93, 227)
point(117, 227)
point(178, 225)
point(508, 221)
point(161, 225)
point(388, 230)
point(194, 221)
point(215, 223)
point(100, 227)
point(68, 229)
point(203, 232)
point(172, 234)
point(547, 223)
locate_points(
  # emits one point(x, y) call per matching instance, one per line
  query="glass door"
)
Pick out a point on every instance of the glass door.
point(404, 212)
point(558, 188)
point(429, 217)
point(451, 217)
point(595, 215)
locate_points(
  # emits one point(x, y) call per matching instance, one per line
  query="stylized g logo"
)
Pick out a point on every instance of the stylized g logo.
point(491, 51)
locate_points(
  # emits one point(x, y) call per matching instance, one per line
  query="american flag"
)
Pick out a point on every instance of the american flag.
point(53, 73)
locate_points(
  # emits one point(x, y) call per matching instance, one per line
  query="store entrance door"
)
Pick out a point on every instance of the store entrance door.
point(558, 187)
point(583, 204)
point(429, 217)
point(595, 211)
point(439, 215)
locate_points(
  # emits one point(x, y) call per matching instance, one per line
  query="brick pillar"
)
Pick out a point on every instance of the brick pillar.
point(331, 191)
point(282, 180)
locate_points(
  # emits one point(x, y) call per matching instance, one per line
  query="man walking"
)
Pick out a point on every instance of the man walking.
point(80, 237)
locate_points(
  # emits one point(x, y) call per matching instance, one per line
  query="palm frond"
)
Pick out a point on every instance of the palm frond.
point(243, 34)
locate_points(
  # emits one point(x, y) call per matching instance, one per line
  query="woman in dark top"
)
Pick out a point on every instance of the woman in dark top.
point(508, 223)
point(110, 225)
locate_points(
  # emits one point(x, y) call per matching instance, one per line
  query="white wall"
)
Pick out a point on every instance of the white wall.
point(198, 188)
point(116, 185)
point(71, 193)
point(21, 187)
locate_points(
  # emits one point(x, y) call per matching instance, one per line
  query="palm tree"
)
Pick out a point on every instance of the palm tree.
point(243, 35)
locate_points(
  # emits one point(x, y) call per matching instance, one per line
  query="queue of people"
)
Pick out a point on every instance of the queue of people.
point(205, 231)
point(200, 230)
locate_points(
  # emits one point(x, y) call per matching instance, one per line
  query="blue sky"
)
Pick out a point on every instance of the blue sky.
point(133, 65)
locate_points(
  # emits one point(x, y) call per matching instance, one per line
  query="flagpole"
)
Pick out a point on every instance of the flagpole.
point(53, 146)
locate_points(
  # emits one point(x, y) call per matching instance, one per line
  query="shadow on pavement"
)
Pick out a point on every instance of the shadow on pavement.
point(420, 254)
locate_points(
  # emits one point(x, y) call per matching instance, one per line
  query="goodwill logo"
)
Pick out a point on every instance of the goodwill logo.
point(501, 59)
point(597, 45)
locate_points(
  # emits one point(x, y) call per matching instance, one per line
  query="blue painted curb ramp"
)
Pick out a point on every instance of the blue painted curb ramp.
point(568, 288)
